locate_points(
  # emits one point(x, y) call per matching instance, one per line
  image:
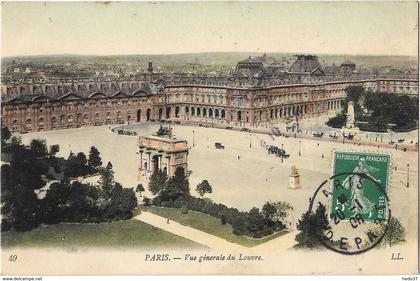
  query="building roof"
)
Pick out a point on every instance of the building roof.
point(306, 64)
point(71, 91)
point(348, 62)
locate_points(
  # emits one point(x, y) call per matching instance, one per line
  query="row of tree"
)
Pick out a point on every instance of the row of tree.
point(173, 192)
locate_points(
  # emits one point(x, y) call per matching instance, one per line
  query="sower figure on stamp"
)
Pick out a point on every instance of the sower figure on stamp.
point(354, 182)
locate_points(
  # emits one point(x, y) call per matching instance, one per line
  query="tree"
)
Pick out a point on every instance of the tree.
point(312, 226)
point(38, 147)
point(269, 210)
point(182, 180)
point(176, 187)
point(239, 226)
point(203, 188)
point(337, 121)
point(15, 143)
point(94, 160)
point(276, 211)
point(223, 219)
point(5, 135)
point(255, 223)
point(147, 201)
point(106, 181)
point(157, 182)
point(394, 234)
point(81, 159)
point(140, 188)
point(76, 165)
point(123, 200)
point(19, 179)
point(54, 149)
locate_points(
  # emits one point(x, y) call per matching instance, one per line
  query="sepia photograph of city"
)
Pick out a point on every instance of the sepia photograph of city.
point(209, 138)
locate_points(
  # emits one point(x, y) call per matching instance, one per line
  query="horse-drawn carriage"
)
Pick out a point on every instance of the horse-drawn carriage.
point(219, 145)
point(350, 136)
point(318, 135)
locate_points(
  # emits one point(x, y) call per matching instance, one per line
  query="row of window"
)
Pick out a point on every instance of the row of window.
point(70, 106)
point(214, 99)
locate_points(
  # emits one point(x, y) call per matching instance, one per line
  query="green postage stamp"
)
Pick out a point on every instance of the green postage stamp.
point(361, 185)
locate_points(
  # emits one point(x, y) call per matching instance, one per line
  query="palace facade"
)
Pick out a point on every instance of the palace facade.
point(259, 90)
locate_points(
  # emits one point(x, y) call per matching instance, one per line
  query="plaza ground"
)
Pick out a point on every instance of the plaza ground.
point(253, 179)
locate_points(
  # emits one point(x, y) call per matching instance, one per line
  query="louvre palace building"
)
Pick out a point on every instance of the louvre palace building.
point(258, 91)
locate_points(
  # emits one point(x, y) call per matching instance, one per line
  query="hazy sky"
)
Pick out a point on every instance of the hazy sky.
point(383, 28)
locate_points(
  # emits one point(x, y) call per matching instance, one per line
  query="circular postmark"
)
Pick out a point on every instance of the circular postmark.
point(349, 213)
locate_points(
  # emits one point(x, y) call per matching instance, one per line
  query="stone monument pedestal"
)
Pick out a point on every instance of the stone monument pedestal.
point(294, 178)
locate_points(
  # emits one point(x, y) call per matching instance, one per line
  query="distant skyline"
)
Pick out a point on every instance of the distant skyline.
point(153, 28)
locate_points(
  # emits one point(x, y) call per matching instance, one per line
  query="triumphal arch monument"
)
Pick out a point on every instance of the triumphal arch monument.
point(162, 152)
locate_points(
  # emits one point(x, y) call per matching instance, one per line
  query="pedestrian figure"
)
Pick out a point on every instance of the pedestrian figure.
point(322, 155)
point(167, 221)
point(238, 157)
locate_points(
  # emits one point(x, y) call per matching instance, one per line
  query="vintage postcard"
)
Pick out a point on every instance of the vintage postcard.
point(235, 137)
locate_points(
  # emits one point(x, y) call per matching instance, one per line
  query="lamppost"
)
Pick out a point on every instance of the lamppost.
point(299, 149)
point(407, 184)
point(193, 138)
point(250, 140)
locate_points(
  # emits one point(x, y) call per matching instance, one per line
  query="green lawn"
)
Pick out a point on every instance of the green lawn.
point(130, 233)
point(210, 225)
